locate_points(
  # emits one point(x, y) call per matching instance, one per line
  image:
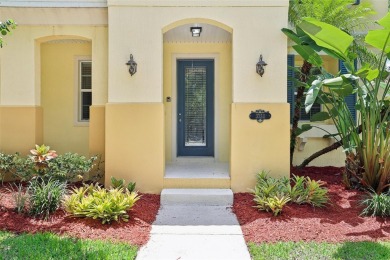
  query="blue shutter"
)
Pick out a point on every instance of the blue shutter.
point(351, 99)
point(290, 84)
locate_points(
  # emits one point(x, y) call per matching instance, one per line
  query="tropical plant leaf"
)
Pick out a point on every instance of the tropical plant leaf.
point(327, 36)
point(303, 128)
point(365, 72)
point(311, 94)
point(379, 39)
point(308, 54)
point(320, 116)
point(292, 35)
point(385, 21)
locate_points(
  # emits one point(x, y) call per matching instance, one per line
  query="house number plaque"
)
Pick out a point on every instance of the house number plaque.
point(260, 115)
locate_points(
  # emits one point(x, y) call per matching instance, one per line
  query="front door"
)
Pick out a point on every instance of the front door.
point(195, 108)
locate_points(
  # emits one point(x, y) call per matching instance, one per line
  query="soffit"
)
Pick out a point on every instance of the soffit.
point(54, 3)
point(210, 34)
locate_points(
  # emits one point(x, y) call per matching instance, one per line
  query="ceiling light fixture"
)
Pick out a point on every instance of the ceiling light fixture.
point(196, 31)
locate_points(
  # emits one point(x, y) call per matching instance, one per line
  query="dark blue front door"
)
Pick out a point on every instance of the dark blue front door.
point(195, 108)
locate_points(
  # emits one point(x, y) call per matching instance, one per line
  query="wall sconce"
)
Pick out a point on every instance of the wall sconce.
point(196, 31)
point(132, 65)
point(260, 66)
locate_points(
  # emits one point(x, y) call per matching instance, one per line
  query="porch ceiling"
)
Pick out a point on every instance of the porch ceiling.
point(210, 33)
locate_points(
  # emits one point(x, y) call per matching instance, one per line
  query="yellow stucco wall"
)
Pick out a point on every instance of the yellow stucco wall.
point(221, 53)
point(59, 76)
point(135, 144)
point(145, 41)
point(258, 146)
point(97, 131)
point(20, 128)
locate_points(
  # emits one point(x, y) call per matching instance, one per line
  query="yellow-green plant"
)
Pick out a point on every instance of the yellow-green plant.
point(96, 202)
point(271, 194)
point(274, 204)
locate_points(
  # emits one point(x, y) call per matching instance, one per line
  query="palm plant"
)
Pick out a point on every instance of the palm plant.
point(339, 13)
point(368, 152)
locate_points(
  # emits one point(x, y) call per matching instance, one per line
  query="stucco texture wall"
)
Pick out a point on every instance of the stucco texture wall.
point(60, 98)
point(143, 37)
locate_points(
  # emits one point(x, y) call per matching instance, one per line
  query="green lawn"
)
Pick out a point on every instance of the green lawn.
point(311, 250)
point(49, 246)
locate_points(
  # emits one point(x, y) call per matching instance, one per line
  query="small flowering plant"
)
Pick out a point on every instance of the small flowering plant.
point(41, 155)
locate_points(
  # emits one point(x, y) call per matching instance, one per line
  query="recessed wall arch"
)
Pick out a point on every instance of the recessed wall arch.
point(59, 81)
point(196, 20)
point(215, 43)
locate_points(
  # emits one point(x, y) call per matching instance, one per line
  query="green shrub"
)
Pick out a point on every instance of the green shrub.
point(98, 203)
point(376, 204)
point(272, 194)
point(273, 203)
point(45, 196)
point(315, 194)
point(6, 164)
point(297, 192)
point(19, 196)
point(117, 183)
point(68, 166)
point(16, 165)
point(120, 183)
point(131, 186)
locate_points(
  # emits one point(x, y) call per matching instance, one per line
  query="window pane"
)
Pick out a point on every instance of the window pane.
point(86, 68)
point(86, 102)
point(86, 82)
point(86, 75)
point(195, 106)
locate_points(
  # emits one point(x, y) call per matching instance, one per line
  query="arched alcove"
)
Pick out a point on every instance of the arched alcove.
point(64, 79)
point(213, 47)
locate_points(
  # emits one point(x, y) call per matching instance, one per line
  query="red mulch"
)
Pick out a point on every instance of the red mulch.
point(340, 221)
point(135, 232)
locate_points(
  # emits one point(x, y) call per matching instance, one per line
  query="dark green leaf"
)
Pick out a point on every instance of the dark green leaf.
point(320, 116)
point(308, 54)
point(292, 35)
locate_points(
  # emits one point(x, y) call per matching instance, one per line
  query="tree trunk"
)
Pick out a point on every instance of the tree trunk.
point(325, 150)
point(320, 152)
point(305, 72)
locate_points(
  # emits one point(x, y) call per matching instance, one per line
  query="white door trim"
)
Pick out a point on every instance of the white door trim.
point(178, 56)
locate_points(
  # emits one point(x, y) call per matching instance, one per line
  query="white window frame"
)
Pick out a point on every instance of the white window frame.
point(77, 90)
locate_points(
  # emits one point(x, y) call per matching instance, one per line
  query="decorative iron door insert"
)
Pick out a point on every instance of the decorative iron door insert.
point(195, 108)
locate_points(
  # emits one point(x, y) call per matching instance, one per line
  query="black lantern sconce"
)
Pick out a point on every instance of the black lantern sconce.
point(260, 66)
point(132, 65)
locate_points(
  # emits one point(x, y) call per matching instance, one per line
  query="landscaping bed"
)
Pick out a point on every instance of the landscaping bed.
point(135, 232)
point(338, 222)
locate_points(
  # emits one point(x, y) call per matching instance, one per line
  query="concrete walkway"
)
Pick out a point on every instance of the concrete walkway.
point(195, 231)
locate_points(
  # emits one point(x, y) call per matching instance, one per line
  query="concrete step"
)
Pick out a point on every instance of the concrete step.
point(196, 183)
point(206, 197)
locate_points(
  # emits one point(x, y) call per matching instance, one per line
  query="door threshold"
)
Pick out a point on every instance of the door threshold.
point(199, 168)
point(195, 159)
